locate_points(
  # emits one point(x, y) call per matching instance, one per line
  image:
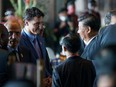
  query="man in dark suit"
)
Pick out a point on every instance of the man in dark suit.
point(74, 71)
point(100, 40)
point(88, 28)
point(105, 37)
point(3, 54)
point(16, 53)
point(31, 37)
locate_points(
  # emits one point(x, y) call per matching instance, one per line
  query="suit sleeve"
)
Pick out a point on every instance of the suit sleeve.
point(89, 74)
point(56, 82)
point(48, 66)
point(108, 36)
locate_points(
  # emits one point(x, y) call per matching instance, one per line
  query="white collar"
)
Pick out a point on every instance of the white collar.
point(86, 43)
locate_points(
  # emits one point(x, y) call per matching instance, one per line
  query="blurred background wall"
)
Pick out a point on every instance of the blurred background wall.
point(54, 5)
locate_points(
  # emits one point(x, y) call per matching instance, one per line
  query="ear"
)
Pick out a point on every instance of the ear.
point(64, 48)
point(89, 29)
point(26, 22)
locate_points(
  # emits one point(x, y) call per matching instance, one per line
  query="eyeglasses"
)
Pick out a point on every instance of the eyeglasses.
point(42, 26)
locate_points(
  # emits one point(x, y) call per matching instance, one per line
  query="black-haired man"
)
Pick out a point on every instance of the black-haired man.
point(88, 28)
point(74, 71)
point(19, 53)
point(30, 38)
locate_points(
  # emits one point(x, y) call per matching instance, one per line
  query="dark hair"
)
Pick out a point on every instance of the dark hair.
point(30, 13)
point(70, 3)
point(71, 42)
point(62, 10)
point(90, 20)
point(92, 2)
point(108, 16)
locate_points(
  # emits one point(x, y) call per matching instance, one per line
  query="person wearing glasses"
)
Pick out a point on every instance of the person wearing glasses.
point(16, 53)
point(31, 38)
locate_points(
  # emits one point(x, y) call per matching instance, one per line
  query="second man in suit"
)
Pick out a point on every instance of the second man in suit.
point(74, 71)
point(31, 37)
point(88, 28)
point(16, 53)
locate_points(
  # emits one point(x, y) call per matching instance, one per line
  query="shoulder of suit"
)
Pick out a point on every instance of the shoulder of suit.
point(87, 63)
point(41, 40)
point(2, 50)
point(23, 32)
point(24, 49)
point(23, 36)
point(4, 53)
point(58, 67)
point(112, 26)
point(84, 60)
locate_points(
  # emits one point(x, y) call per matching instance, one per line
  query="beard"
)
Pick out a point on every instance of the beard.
point(13, 42)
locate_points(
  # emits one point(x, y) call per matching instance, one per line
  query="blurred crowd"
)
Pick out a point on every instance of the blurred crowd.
point(83, 52)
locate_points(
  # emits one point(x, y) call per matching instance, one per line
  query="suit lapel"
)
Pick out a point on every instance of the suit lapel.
point(21, 55)
point(41, 45)
point(29, 44)
point(87, 50)
point(85, 53)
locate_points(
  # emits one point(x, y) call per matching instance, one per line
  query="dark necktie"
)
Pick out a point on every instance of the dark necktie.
point(37, 48)
point(13, 57)
point(15, 53)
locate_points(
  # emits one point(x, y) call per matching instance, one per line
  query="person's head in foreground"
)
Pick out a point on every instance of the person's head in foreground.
point(70, 44)
point(33, 18)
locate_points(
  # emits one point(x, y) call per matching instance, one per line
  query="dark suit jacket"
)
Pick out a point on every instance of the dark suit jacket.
point(81, 47)
point(24, 54)
point(74, 72)
point(105, 37)
point(3, 66)
point(88, 53)
point(24, 41)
